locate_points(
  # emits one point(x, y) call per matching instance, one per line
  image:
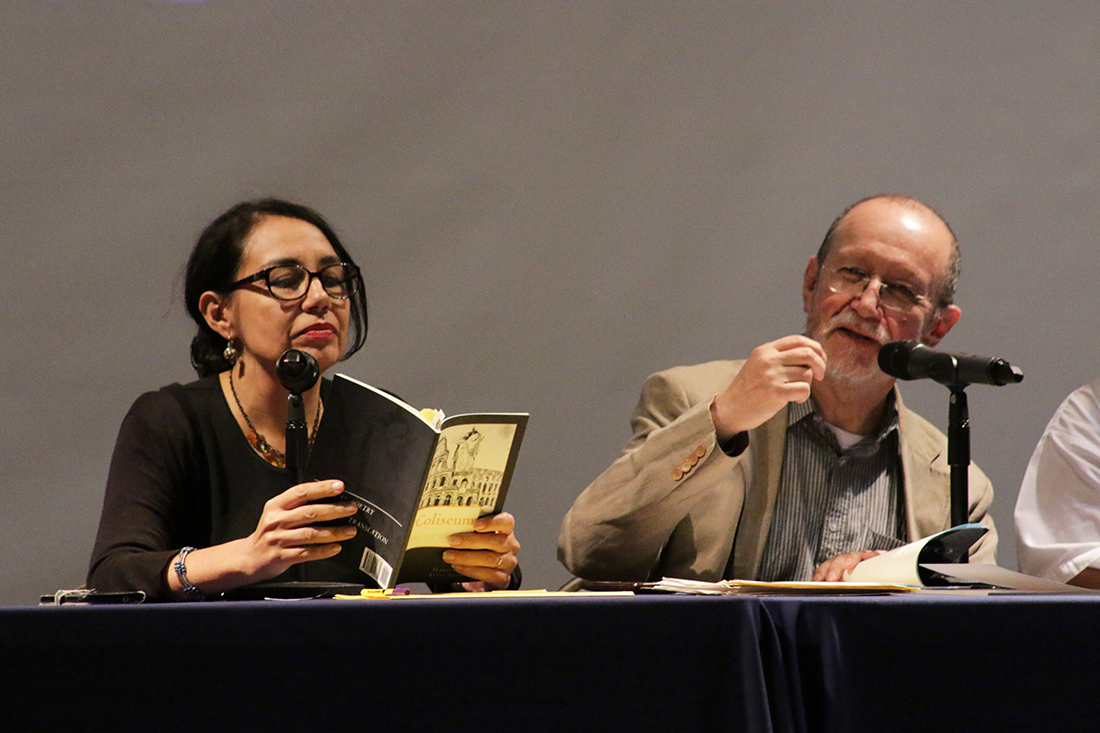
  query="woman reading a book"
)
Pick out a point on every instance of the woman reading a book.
point(196, 501)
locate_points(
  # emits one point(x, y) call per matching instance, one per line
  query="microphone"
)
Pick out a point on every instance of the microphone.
point(297, 370)
point(914, 360)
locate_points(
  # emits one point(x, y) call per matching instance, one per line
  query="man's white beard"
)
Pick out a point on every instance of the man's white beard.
point(842, 363)
point(841, 370)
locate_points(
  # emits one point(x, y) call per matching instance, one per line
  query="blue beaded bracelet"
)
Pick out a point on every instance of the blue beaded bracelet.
point(181, 572)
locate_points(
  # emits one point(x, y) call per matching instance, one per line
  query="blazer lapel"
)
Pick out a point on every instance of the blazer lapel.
point(923, 465)
point(766, 447)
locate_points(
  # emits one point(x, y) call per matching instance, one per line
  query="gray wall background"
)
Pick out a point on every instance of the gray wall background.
point(551, 200)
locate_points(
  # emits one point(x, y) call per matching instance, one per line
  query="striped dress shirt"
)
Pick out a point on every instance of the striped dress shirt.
point(832, 500)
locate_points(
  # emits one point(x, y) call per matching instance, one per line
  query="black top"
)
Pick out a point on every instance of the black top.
point(183, 473)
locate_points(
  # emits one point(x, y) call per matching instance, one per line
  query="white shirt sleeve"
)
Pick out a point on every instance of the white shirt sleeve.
point(1058, 508)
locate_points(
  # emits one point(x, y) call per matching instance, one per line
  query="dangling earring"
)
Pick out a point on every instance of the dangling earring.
point(231, 354)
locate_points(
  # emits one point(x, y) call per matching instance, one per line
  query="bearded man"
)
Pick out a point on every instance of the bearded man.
point(800, 461)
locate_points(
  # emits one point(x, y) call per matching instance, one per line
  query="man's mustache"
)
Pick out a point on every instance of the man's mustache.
point(850, 320)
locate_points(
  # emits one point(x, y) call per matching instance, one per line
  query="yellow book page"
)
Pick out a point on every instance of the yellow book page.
point(432, 417)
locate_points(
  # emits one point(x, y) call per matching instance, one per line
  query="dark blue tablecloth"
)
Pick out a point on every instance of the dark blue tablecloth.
point(902, 663)
point(511, 665)
point(956, 663)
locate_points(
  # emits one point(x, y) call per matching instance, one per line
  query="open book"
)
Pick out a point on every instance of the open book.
point(935, 562)
point(416, 477)
point(771, 587)
point(906, 564)
point(900, 570)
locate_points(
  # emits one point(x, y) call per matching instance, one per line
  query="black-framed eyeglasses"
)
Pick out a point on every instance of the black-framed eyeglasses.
point(852, 281)
point(290, 282)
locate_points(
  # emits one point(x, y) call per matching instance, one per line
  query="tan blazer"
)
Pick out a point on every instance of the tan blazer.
point(674, 504)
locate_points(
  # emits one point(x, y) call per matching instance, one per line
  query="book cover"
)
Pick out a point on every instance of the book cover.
point(416, 478)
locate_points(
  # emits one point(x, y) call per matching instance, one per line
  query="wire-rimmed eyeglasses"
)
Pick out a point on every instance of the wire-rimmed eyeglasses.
point(852, 281)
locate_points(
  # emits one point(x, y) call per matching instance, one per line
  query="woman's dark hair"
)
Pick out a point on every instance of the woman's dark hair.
point(213, 266)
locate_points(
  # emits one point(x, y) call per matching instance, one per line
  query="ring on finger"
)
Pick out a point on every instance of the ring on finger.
point(500, 559)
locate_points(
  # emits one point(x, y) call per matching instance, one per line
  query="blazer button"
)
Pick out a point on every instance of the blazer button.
point(685, 466)
point(677, 474)
point(694, 460)
point(700, 451)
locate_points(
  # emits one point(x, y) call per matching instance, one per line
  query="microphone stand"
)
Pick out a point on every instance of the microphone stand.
point(298, 373)
point(297, 440)
point(297, 433)
point(958, 454)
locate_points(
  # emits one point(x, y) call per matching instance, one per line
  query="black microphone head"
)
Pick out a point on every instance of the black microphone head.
point(297, 370)
point(1001, 372)
point(893, 358)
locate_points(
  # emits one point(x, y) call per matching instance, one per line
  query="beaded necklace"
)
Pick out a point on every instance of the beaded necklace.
point(268, 452)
